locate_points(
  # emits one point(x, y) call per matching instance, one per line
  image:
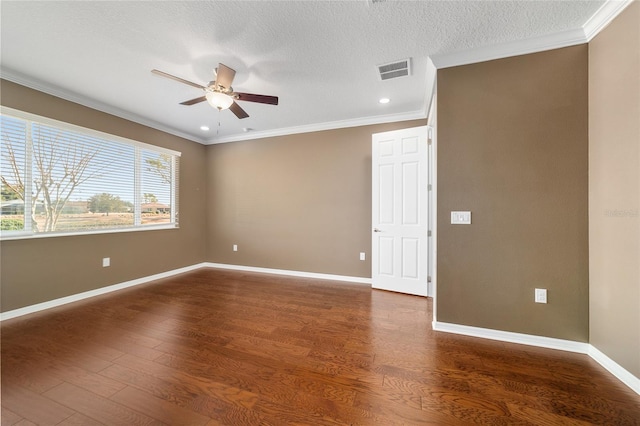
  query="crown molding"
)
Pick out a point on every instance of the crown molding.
point(603, 17)
point(67, 95)
point(512, 48)
point(52, 90)
point(318, 127)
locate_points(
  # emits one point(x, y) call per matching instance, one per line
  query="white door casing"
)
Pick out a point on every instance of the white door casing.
point(400, 211)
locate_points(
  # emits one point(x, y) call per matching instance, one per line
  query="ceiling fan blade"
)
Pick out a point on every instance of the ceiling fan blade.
point(238, 111)
point(225, 76)
point(173, 77)
point(262, 99)
point(194, 101)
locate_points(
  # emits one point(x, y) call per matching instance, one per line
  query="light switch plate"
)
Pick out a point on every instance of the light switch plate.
point(461, 218)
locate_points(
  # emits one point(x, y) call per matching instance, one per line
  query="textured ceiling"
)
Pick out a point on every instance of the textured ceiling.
point(319, 57)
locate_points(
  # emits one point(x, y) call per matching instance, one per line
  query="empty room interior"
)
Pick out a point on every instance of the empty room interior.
point(320, 212)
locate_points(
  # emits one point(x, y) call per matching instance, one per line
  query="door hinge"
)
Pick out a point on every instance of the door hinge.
point(429, 279)
point(428, 233)
point(429, 187)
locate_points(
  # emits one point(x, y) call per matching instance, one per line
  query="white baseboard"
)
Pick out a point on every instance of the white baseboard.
point(507, 336)
point(300, 274)
point(91, 293)
point(616, 369)
point(545, 342)
point(104, 290)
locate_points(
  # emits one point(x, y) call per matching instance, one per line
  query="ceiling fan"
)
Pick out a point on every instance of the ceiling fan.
point(220, 94)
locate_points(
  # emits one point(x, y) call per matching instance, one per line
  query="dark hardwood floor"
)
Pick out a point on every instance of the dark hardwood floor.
point(218, 347)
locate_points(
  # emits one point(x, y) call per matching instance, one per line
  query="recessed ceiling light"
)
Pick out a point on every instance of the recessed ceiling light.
point(204, 128)
point(384, 100)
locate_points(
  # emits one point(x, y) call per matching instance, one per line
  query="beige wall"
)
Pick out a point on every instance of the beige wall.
point(614, 190)
point(38, 270)
point(299, 202)
point(512, 149)
point(513, 137)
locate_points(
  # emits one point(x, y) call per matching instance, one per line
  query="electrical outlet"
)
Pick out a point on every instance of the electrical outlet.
point(363, 256)
point(541, 295)
point(235, 247)
point(106, 261)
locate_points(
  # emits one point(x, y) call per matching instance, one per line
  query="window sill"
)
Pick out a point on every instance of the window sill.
point(17, 235)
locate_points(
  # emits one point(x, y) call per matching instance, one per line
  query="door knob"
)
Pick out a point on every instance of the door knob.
point(377, 230)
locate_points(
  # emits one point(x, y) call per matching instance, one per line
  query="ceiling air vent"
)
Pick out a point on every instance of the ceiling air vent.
point(395, 69)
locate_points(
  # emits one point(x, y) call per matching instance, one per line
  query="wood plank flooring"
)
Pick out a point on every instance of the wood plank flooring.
point(217, 347)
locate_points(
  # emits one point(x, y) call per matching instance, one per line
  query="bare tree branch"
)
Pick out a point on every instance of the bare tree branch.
point(160, 166)
point(15, 184)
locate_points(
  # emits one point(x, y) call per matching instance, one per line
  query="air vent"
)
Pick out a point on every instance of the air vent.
point(395, 69)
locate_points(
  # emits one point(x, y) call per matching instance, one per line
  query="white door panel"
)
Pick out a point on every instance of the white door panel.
point(399, 191)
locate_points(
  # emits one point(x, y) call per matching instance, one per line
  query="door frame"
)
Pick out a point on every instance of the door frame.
point(432, 179)
point(431, 109)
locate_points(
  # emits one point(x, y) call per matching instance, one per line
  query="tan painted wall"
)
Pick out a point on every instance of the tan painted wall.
point(614, 189)
point(299, 202)
point(512, 148)
point(42, 269)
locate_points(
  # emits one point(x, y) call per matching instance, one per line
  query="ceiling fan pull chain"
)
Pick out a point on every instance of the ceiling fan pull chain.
point(218, 129)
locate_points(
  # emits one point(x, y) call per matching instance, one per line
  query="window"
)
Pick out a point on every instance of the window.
point(58, 179)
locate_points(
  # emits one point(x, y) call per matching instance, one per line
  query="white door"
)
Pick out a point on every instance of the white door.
point(399, 234)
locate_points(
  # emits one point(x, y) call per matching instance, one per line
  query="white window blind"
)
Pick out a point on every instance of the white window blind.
point(58, 178)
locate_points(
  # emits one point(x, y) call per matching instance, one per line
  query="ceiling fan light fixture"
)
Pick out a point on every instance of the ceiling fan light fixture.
point(219, 100)
point(219, 93)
